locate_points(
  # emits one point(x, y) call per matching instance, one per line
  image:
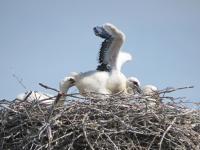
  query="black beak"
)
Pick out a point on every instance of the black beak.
point(138, 89)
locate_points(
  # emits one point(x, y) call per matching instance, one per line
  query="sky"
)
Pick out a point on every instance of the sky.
point(43, 41)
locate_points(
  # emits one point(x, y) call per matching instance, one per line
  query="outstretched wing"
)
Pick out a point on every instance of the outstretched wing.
point(123, 58)
point(110, 47)
point(103, 60)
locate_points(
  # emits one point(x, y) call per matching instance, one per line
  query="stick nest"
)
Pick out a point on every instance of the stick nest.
point(119, 122)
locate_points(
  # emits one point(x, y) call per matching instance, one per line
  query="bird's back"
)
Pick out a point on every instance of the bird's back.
point(92, 81)
point(117, 82)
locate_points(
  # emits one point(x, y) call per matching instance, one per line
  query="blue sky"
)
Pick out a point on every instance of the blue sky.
point(43, 41)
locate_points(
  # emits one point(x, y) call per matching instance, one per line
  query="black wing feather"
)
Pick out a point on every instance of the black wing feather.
point(101, 32)
point(103, 50)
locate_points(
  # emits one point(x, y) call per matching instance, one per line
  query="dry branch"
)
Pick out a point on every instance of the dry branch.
point(133, 122)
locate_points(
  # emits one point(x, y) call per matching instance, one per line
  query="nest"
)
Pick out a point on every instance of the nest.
point(135, 122)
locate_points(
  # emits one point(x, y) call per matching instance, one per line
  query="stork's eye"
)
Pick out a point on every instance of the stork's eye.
point(71, 80)
point(135, 83)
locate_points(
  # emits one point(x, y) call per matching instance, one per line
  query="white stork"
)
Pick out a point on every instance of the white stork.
point(151, 94)
point(107, 78)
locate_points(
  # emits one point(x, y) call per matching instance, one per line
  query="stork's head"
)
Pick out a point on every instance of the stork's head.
point(66, 84)
point(134, 85)
point(134, 81)
point(153, 94)
point(149, 89)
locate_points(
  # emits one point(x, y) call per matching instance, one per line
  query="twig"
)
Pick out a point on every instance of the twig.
point(160, 143)
point(116, 122)
point(47, 87)
point(51, 109)
point(169, 90)
point(6, 107)
point(109, 139)
point(19, 81)
point(50, 136)
point(84, 131)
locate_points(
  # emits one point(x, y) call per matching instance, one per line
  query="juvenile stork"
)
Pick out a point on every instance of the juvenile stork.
point(111, 59)
point(152, 95)
point(107, 78)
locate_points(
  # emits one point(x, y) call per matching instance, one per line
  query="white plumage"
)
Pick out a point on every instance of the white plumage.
point(152, 95)
point(31, 96)
point(92, 82)
point(149, 90)
point(44, 98)
point(133, 85)
point(107, 78)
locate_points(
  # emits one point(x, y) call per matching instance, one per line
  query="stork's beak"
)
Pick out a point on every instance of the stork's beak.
point(101, 32)
point(138, 89)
